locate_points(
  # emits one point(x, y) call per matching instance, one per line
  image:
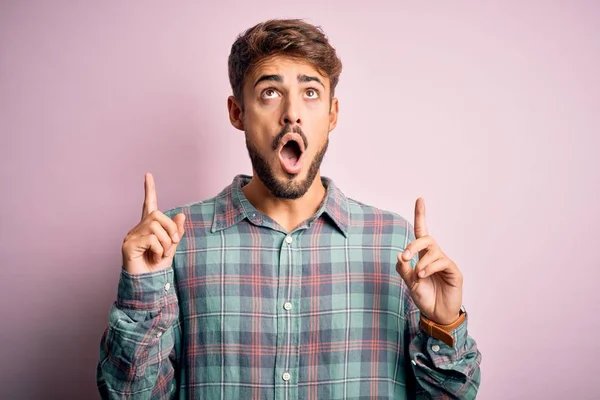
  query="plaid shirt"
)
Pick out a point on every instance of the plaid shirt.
point(250, 311)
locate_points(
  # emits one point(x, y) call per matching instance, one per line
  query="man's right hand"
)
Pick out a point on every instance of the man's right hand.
point(150, 245)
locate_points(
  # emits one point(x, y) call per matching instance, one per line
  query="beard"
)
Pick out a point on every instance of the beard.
point(284, 188)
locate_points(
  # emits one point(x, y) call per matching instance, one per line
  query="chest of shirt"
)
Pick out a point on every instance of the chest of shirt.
point(267, 274)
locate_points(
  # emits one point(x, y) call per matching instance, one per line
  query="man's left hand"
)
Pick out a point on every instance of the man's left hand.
point(436, 283)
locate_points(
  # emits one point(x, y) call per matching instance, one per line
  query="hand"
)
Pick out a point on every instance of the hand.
point(150, 246)
point(436, 283)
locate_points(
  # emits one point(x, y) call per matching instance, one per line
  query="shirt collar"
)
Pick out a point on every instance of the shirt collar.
point(232, 206)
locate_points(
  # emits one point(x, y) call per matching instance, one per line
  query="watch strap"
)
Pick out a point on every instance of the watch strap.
point(442, 332)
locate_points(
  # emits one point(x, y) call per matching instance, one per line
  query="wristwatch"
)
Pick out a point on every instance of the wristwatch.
point(443, 332)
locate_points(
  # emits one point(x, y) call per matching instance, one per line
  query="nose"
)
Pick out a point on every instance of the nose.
point(291, 113)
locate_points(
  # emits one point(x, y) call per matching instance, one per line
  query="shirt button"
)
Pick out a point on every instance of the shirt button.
point(159, 334)
point(286, 376)
point(435, 348)
point(289, 240)
point(167, 286)
point(287, 306)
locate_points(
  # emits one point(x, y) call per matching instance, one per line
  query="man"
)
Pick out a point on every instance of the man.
point(280, 287)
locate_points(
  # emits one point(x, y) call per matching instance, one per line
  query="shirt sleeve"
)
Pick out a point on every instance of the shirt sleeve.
point(140, 347)
point(442, 371)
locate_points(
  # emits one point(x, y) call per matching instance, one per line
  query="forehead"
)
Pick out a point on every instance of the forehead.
point(288, 68)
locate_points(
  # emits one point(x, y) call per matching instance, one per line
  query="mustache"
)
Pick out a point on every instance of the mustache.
point(286, 129)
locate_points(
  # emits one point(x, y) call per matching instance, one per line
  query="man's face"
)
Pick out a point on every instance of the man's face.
point(287, 118)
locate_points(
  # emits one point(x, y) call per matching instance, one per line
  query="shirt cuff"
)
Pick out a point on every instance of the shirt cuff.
point(146, 292)
point(442, 353)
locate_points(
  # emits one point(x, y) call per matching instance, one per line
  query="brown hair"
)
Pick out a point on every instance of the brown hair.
point(287, 37)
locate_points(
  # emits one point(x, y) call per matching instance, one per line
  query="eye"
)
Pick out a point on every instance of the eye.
point(312, 93)
point(269, 93)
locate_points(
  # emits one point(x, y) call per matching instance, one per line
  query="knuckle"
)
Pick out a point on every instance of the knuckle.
point(150, 240)
point(155, 214)
point(155, 226)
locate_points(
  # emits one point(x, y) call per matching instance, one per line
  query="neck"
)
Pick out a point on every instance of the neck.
point(287, 213)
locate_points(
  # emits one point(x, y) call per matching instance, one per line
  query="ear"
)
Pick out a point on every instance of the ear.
point(235, 113)
point(333, 113)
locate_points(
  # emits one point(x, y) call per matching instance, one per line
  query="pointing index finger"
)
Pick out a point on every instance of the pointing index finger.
point(420, 223)
point(150, 202)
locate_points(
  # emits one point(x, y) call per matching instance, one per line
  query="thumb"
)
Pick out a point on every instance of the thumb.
point(179, 220)
point(406, 271)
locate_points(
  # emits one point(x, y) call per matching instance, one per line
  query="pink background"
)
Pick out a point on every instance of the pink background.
point(489, 111)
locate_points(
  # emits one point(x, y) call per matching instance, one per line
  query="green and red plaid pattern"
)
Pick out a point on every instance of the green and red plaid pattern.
point(250, 311)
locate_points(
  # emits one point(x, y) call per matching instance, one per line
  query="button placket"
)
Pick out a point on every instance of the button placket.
point(288, 324)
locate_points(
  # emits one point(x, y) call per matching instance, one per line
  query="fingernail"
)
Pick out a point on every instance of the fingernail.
point(421, 274)
point(406, 255)
point(176, 237)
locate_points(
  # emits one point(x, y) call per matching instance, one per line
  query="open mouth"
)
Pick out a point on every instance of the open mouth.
point(290, 153)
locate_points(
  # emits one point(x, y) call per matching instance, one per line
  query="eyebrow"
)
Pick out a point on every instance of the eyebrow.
point(278, 78)
point(306, 78)
point(272, 78)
